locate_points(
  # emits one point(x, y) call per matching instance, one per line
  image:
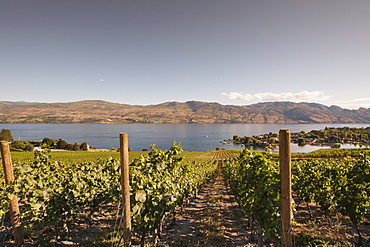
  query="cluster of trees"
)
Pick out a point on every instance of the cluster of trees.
point(22, 146)
point(62, 144)
point(260, 140)
point(6, 135)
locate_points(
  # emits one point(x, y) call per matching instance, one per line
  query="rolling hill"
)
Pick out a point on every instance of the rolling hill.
point(96, 111)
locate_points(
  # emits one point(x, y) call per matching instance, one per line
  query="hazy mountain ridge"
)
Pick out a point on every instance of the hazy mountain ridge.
point(97, 111)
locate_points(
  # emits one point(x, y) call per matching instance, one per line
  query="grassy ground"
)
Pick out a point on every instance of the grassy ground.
point(84, 156)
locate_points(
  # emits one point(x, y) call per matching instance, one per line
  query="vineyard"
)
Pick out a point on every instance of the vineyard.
point(79, 202)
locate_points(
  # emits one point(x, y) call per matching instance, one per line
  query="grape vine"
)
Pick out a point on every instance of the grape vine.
point(254, 179)
point(336, 186)
point(160, 182)
point(56, 194)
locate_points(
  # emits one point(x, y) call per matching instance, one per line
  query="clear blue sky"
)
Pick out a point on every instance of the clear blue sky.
point(152, 51)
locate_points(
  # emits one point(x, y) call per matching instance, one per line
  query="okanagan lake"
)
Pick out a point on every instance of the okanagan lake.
point(192, 137)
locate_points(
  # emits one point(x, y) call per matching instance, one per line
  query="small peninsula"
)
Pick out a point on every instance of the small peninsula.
point(330, 136)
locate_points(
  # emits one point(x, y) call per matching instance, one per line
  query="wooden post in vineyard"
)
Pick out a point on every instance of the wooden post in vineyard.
point(13, 202)
point(125, 182)
point(285, 187)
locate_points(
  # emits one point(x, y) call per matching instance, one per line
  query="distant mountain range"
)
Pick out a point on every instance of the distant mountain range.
point(96, 111)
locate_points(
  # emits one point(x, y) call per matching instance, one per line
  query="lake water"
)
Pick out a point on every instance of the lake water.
point(192, 137)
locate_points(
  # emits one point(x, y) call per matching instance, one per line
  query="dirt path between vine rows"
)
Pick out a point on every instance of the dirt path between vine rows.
point(213, 218)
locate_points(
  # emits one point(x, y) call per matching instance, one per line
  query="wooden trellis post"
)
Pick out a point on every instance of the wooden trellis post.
point(125, 182)
point(285, 187)
point(13, 202)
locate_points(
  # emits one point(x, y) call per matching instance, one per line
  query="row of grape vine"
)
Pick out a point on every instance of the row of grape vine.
point(56, 194)
point(160, 182)
point(336, 186)
point(219, 155)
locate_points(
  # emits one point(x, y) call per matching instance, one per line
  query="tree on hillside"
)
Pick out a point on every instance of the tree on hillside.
point(47, 142)
point(61, 144)
point(237, 138)
point(19, 145)
point(22, 145)
point(6, 135)
point(76, 147)
point(84, 146)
